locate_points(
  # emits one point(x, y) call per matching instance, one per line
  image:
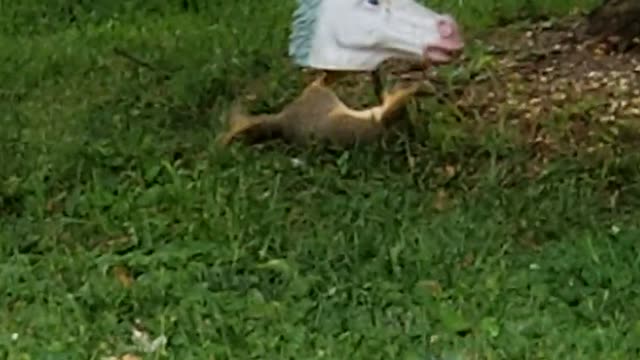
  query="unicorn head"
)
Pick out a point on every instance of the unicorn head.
point(358, 35)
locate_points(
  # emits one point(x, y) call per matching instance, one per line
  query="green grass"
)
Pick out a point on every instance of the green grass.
point(240, 253)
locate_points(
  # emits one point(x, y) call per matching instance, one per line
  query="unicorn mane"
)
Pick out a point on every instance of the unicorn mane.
point(303, 30)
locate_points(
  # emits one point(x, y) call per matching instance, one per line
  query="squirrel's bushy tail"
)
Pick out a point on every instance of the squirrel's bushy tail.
point(251, 128)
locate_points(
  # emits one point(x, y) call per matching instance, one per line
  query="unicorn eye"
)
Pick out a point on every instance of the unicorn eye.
point(374, 2)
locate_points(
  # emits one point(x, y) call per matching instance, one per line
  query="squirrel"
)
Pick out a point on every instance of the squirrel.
point(318, 114)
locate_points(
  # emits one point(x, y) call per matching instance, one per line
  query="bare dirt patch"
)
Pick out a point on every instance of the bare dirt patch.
point(556, 86)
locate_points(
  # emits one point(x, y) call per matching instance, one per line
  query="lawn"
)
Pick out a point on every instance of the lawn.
point(463, 241)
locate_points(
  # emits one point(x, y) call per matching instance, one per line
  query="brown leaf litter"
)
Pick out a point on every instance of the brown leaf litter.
point(548, 73)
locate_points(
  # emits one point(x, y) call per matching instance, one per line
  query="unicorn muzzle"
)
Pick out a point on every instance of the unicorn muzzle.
point(450, 44)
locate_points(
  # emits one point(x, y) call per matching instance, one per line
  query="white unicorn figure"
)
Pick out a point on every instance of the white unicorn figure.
point(342, 36)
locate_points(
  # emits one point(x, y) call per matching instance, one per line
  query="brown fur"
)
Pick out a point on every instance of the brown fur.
point(318, 114)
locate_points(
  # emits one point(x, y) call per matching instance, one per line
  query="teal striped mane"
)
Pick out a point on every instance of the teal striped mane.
point(302, 30)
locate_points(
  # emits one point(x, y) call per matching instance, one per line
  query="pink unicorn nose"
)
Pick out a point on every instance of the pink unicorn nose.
point(448, 29)
point(449, 45)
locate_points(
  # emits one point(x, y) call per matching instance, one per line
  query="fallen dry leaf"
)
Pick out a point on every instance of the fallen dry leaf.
point(130, 357)
point(55, 204)
point(123, 276)
point(467, 261)
point(450, 171)
point(530, 240)
point(441, 200)
point(432, 286)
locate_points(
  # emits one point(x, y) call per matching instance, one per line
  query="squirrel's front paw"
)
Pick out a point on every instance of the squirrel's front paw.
point(400, 92)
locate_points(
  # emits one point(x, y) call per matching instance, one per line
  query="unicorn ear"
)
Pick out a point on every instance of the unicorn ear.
point(303, 30)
